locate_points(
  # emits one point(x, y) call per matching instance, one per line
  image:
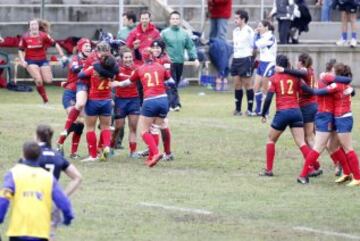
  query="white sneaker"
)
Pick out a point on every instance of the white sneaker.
point(168, 157)
point(342, 42)
point(89, 159)
point(177, 108)
point(353, 43)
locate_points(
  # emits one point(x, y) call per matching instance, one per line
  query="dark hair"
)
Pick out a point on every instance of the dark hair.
point(343, 70)
point(330, 65)
point(108, 62)
point(123, 50)
point(174, 12)
point(305, 59)
point(130, 15)
point(268, 24)
point(243, 14)
point(145, 12)
point(31, 150)
point(44, 25)
point(282, 61)
point(103, 47)
point(160, 43)
point(44, 133)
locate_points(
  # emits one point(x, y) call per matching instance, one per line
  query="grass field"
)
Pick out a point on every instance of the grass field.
point(212, 190)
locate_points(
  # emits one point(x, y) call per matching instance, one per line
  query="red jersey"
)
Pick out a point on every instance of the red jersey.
point(220, 8)
point(100, 88)
point(72, 76)
point(90, 60)
point(305, 98)
point(286, 88)
point(35, 46)
point(128, 91)
point(325, 102)
point(342, 102)
point(146, 37)
point(152, 76)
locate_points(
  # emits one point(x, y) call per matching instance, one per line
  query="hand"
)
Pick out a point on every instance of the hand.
point(263, 119)
point(63, 83)
point(196, 63)
point(1, 40)
point(322, 75)
point(136, 44)
point(64, 61)
point(24, 64)
point(348, 91)
point(279, 69)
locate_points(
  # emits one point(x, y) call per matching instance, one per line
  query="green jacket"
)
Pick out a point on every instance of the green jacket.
point(177, 40)
point(124, 32)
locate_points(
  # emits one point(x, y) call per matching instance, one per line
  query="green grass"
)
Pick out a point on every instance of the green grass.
point(218, 157)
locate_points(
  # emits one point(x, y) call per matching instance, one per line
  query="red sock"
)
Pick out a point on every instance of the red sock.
point(156, 139)
point(75, 142)
point(42, 92)
point(305, 150)
point(100, 144)
point(150, 142)
point(106, 137)
point(339, 157)
point(309, 161)
point(354, 164)
point(91, 140)
point(270, 155)
point(166, 138)
point(72, 116)
point(132, 147)
point(61, 140)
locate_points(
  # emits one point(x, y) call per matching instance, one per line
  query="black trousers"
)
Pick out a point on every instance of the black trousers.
point(176, 73)
point(20, 239)
point(284, 31)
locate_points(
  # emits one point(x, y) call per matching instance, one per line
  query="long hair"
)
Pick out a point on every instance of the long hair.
point(342, 69)
point(44, 134)
point(306, 60)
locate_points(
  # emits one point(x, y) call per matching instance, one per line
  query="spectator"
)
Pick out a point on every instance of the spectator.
point(143, 34)
point(348, 9)
point(219, 13)
point(241, 67)
point(301, 21)
point(176, 41)
point(325, 9)
point(31, 190)
point(284, 11)
point(129, 22)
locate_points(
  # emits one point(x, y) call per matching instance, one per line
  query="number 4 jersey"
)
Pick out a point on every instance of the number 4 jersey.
point(286, 88)
point(152, 76)
point(52, 161)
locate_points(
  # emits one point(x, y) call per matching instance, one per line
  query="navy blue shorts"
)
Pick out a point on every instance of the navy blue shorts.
point(98, 107)
point(39, 63)
point(69, 98)
point(343, 124)
point(158, 107)
point(241, 67)
point(265, 69)
point(126, 106)
point(324, 122)
point(81, 87)
point(289, 117)
point(349, 6)
point(309, 112)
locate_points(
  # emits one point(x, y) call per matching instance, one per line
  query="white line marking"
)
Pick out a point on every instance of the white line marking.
point(47, 107)
point(190, 210)
point(329, 233)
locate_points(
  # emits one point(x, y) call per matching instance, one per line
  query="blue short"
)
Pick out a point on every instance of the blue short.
point(344, 124)
point(158, 107)
point(40, 63)
point(81, 87)
point(289, 117)
point(126, 106)
point(98, 107)
point(266, 69)
point(309, 112)
point(324, 122)
point(69, 98)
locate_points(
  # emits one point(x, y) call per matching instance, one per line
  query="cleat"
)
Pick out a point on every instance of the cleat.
point(353, 43)
point(168, 157)
point(172, 109)
point(134, 155)
point(154, 160)
point(237, 113)
point(89, 159)
point(250, 113)
point(303, 180)
point(60, 149)
point(342, 42)
point(177, 108)
point(105, 154)
point(74, 156)
point(316, 173)
point(338, 170)
point(144, 153)
point(266, 173)
point(342, 179)
point(353, 183)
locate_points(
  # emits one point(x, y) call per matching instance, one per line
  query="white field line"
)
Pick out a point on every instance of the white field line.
point(329, 233)
point(42, 106)
point(189, 210)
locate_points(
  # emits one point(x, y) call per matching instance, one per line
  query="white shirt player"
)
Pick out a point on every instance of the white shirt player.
point(267, 47)
point(243, 42)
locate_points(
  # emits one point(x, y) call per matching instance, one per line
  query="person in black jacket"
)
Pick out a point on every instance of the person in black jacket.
point(301, 22)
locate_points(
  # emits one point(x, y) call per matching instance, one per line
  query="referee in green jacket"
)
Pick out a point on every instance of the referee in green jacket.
point(177, 40)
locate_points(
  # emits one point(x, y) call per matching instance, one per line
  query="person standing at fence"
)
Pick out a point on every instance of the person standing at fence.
point(284, 11)
point(32, 54)
point(177, 40)
point(348, 10)
point(241, 67)
point(129, 22)
point(219, 14)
